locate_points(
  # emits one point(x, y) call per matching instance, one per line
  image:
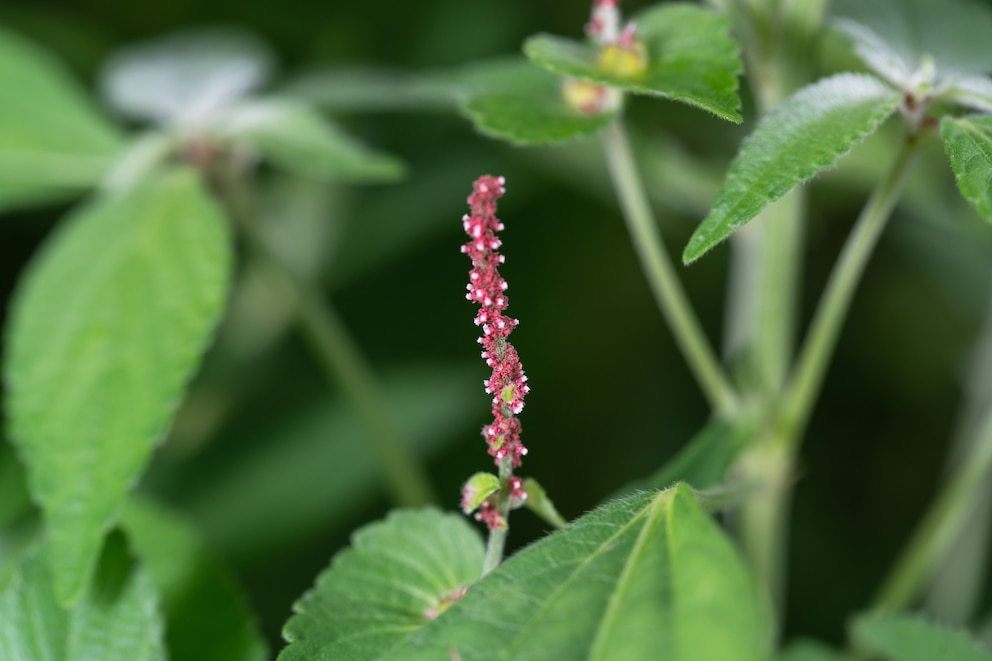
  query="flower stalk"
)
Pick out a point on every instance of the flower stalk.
point(508, 383)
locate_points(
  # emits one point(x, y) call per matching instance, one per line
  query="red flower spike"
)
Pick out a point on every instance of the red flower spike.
point(508, 384)
point(489, 514)
point(518, 496)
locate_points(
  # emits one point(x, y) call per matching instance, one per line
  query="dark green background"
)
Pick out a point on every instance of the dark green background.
point(611, 396)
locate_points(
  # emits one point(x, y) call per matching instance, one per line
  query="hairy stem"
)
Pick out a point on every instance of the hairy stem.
point(496, 543)
point(939, 527)
point(762, 297)
point(337, 354)
point(777, 40)
point(657, 266)
point(807, 378)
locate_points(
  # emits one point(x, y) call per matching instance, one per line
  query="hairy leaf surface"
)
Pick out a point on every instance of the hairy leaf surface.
point(690, 58)
point(647, 577)
point(107, 327)
point(968, 142)
point(397, 575)
point(804, 135)
point(116, 619)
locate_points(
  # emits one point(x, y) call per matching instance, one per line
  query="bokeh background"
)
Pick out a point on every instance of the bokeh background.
point(269, 464)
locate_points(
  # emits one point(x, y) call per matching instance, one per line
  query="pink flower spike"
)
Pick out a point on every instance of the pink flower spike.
point(507, 384)
point(489, 514)
point(518, 496)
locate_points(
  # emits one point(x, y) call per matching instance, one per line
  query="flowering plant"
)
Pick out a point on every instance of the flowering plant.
point(210, 228)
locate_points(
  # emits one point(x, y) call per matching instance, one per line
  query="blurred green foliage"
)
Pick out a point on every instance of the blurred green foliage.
point(611, 397)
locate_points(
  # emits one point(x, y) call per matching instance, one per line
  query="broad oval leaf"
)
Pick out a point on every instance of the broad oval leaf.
point(900, 637)
point(297, 139)
point(116, 619)
point(524, 104)
point(397, 575)
point(107, 327)
point(691, 58)
point(53, 142)
point(805, 134)
point(647, 577)
point(968, 142)
point(207, 616)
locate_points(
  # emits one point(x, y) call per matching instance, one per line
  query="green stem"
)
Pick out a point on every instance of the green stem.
point(940, 526)
point(657, 266)
point(764, 518)
point(807, 378)
point(763, 286)
point(496, 543)
point(337, 354)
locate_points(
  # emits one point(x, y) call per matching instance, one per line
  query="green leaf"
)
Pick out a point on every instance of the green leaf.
point(899, 637)
point(968, 142)
point(648, 577)
point(702, 462)
point(107, 327)
point(397, 575)
point(297, 139)
point(803, 135)
point(540, 504)
point(186, 78)
point(53, 143)
point(478, 487)
point(116, 619)
point(898, 34)
point(206, 614)
point(523, 104)
point(691, 58)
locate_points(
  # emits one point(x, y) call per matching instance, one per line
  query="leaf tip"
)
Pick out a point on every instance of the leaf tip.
point(693, 251)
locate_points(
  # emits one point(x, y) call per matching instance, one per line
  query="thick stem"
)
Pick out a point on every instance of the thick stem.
point(337, 354)
point(764, 518)
point(657, 266)
point(762, 297)
point(777, 38)
point(939, 526)
point(807, 378)
point(763, 526)
point(496, 543)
